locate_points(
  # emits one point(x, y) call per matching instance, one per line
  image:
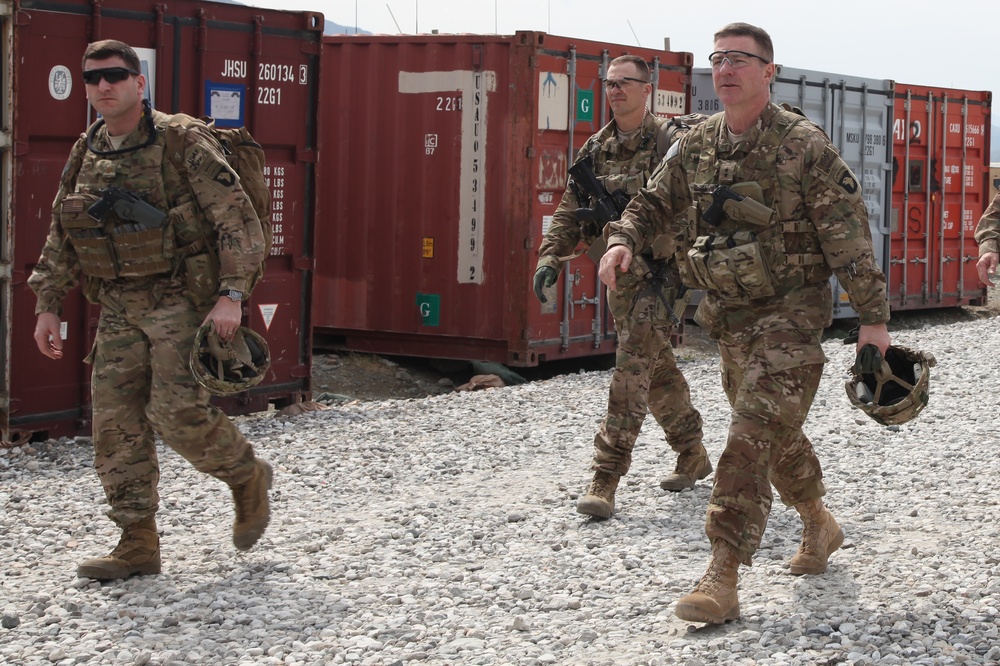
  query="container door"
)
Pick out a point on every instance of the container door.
point(245, 66)
point(941, 188)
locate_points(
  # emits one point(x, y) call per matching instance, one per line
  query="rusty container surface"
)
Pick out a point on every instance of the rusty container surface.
point(242, 65)
point(444, 158)
point(940, 188)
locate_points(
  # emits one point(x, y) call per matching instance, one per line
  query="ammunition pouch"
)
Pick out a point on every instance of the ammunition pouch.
point(143, 252)
point(731, 266)
point(93, 247)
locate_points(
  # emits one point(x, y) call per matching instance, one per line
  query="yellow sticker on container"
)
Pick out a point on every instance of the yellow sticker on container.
point(428, 248)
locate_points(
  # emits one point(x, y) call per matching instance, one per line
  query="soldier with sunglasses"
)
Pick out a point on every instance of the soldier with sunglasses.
point(177, 256)
point(761, 210)
point(623, 155)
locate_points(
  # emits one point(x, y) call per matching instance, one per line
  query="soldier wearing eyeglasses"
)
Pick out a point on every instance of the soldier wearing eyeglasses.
point(761, 210)
point(156, 267)
point(623, 155)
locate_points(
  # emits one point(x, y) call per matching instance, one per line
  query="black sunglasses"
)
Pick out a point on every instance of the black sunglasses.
point(110, 74)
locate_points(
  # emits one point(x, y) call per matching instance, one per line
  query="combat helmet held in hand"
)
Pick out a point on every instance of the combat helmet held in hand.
point(894, 389)
point(227, 368)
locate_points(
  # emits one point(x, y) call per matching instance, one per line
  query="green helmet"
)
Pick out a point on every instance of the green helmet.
point(228, 368)
point(898, 390)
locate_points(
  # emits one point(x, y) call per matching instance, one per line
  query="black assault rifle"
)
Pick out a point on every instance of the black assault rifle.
point(609, 207)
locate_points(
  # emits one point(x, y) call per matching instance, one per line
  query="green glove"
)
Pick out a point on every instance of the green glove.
point(545, 277)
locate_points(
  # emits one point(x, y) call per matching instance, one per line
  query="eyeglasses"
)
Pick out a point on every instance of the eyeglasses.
point(736, 59)
point(611, 84)
point(110, 74)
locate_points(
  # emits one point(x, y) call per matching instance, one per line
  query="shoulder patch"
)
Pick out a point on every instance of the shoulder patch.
point(846, 180)
point(826, 161)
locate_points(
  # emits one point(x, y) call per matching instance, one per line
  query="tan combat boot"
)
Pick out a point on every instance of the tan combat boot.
point(599, 501)
point(253, 509)
point(714, 599)
point(137, 554)
point(821, 535)
point(693, 465)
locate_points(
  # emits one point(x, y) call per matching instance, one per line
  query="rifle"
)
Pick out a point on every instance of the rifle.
point(133, 211)
point(609, 207)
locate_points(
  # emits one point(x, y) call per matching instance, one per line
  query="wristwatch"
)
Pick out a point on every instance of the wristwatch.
point(233, 294)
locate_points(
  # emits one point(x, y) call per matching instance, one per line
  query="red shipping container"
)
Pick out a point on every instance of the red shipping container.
point(444, 158)
point(940, 175)
point(243, 65)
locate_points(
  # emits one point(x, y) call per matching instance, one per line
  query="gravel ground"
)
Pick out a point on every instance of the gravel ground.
point(442, 530)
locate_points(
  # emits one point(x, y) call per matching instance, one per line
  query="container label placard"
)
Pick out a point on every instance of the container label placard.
point(472, 101)
point(429, 306)
point(670, 103)
point(553, 101)
point(584, 106)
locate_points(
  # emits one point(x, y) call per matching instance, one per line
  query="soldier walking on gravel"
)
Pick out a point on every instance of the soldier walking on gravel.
point(623, 155)
point(762, 209)
point(156, 284)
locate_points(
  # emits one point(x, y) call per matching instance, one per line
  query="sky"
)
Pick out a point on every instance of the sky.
point(948, 44)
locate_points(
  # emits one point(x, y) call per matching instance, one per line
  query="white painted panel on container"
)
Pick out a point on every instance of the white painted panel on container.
point(553, 101)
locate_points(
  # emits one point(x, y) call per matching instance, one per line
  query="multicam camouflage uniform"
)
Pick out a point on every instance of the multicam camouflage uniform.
point(165, 286)
point(768, 313)
point(988, 229)
point(645, 368)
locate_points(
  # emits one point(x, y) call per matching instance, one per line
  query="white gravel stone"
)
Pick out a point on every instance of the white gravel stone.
point(443, 530)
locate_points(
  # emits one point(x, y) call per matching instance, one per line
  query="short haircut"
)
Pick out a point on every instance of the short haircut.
point(639, 63)
point(108, 48)
point(759, 35)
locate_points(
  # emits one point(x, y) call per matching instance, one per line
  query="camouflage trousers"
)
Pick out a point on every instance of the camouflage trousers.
point(771, 380)
point(646, 378)
point(142, 387)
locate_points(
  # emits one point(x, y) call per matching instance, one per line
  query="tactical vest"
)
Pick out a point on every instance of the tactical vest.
point(617, 166)
point(742, 259)
point(112, 248)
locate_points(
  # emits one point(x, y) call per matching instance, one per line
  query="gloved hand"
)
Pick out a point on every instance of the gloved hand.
point(545, 277)
point(868, 361)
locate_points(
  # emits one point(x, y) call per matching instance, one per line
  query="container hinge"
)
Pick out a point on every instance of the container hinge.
point(528, 243)
point(5, 272)
point(526, 334)
point(4, 140)
point(6, 7)
point(20, 148)
point(306, 155)
point(529, 152)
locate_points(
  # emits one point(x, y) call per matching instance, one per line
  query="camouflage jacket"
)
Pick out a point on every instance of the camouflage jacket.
point(618, 165)
point(988, 229)
point(820, 222)
point(207, 210)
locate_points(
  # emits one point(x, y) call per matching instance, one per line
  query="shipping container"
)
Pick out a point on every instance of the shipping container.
point(242, 65)
point(940, 176)
point(444, 158)
point(856, 114)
